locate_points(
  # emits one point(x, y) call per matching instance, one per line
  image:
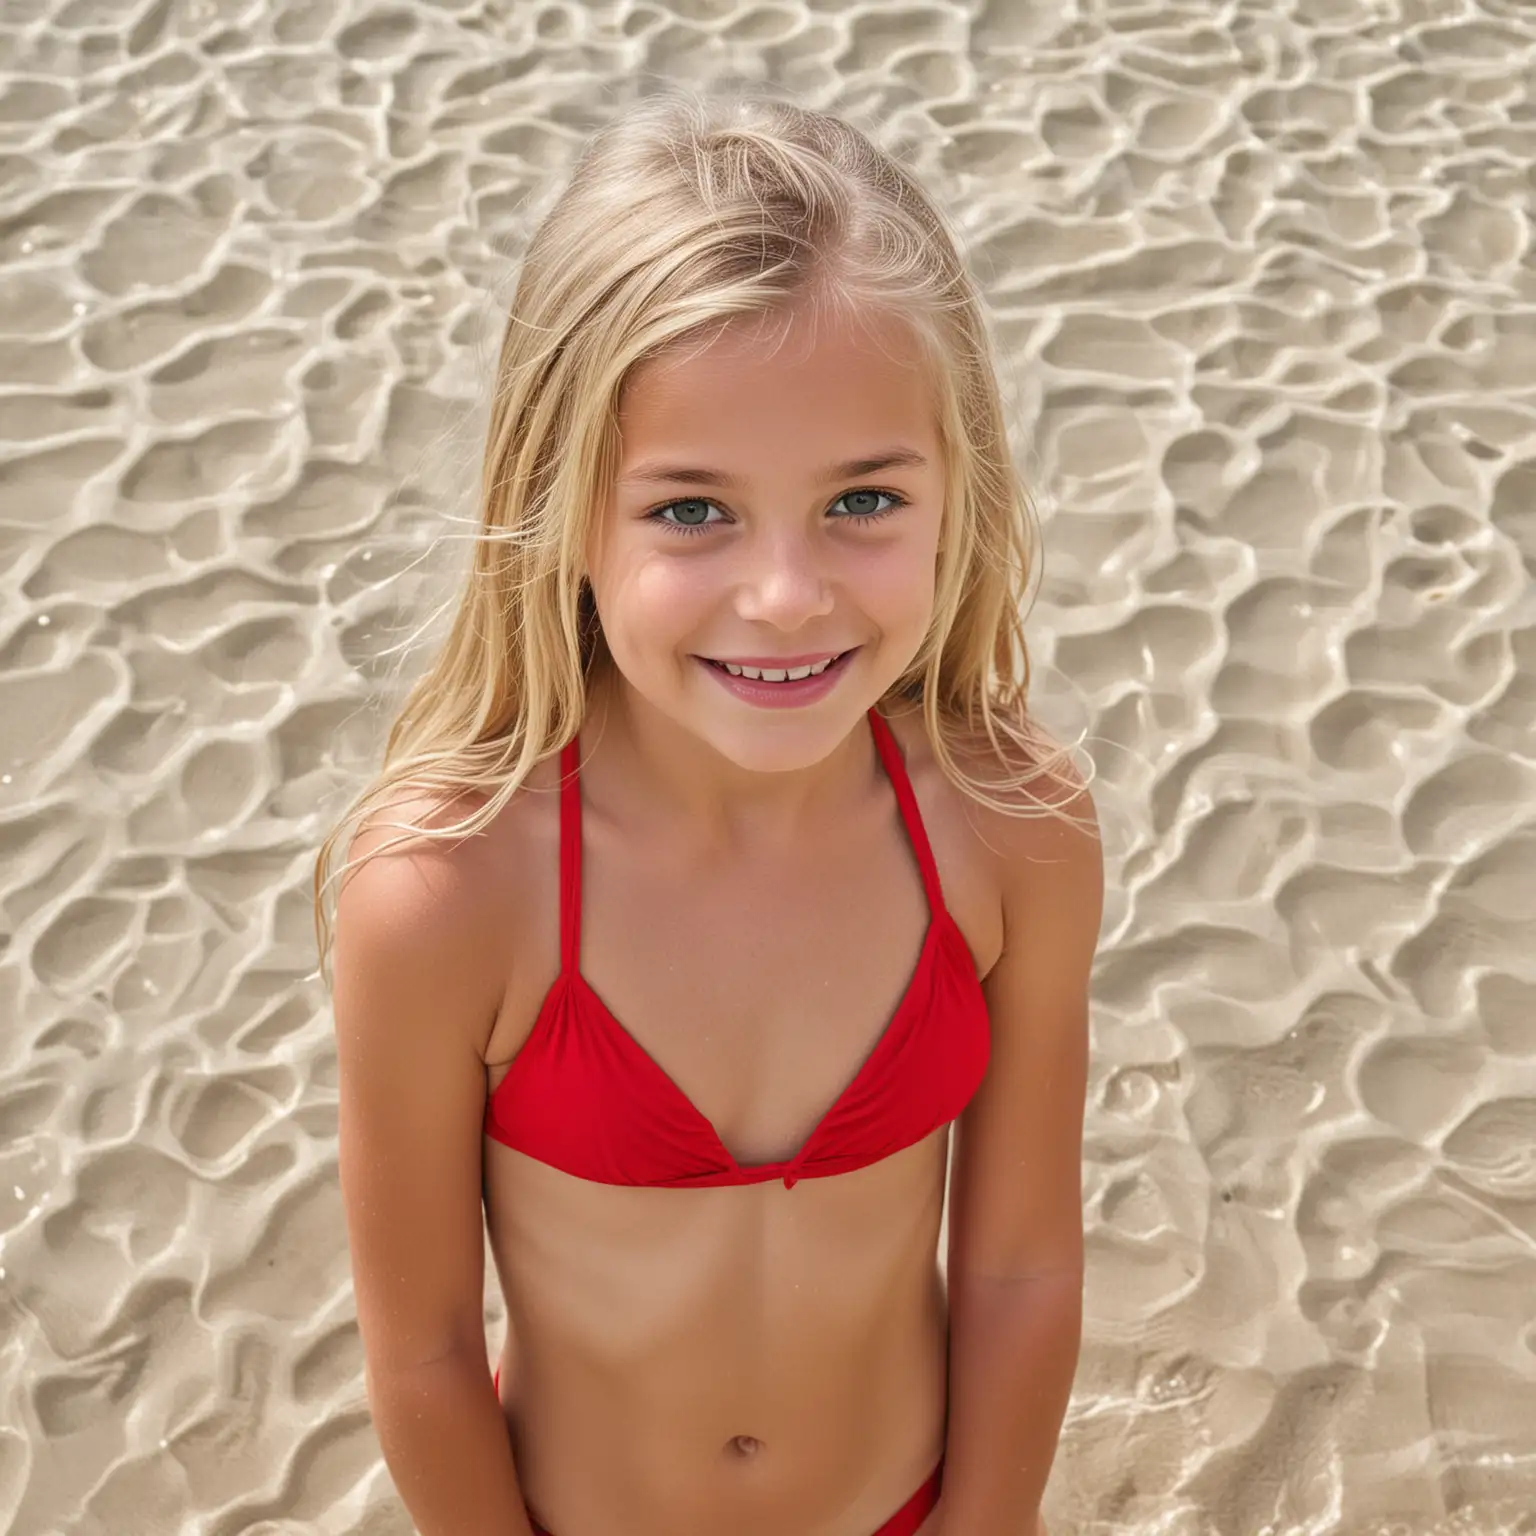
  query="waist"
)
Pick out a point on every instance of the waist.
point(809, 1448)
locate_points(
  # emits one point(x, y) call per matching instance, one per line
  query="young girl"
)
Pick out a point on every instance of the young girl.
point(716, 867)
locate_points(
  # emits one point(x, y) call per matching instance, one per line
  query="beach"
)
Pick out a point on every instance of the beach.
point(1262, 280)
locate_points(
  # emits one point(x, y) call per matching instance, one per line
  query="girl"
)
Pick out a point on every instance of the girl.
point(771, 879)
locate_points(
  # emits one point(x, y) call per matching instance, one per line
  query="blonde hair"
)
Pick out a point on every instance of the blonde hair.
point(684, 214)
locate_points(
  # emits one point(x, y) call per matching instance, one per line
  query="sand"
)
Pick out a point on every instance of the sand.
point(1263, 276)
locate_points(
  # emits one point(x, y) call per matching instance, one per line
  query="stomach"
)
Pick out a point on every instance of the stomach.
point(750, 1358)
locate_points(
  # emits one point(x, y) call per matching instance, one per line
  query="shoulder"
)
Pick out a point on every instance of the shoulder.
point(432, 884)
point(1046, 835)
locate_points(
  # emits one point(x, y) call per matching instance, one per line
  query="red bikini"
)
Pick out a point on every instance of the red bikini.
point(583, 1095)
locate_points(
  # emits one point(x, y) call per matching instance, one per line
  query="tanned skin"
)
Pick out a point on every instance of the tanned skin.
point(754, 1359)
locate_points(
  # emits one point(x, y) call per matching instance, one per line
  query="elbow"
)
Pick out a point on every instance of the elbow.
point(1024, 1306)
point(386, 1375)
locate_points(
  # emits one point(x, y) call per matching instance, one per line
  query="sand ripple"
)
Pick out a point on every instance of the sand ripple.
point(1264, 278)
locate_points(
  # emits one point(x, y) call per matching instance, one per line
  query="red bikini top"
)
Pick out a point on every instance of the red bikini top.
point(584, 1096)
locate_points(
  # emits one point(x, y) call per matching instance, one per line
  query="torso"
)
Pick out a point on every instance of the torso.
point(754, 1359)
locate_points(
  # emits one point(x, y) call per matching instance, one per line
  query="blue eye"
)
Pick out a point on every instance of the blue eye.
point(692, 514)
point(866, 513)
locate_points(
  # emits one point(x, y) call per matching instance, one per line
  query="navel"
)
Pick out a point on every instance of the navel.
point(743, 1447)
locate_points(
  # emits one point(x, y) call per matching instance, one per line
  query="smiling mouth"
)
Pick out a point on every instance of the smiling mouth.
point(775, 674)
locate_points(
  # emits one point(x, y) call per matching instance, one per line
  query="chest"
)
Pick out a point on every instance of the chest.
point(758, 983)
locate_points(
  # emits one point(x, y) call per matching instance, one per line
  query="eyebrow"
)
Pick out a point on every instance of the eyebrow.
point(689, 474)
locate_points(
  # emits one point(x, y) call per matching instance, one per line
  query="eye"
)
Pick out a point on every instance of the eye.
point(863, 505)
point(690, 515)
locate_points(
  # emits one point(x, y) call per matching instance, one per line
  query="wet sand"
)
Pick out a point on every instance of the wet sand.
point(1264, 279)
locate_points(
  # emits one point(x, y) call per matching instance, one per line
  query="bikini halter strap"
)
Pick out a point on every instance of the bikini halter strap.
point(896, 771)
point(570, 857)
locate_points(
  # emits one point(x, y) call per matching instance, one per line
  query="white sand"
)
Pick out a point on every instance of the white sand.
point(1264, 274)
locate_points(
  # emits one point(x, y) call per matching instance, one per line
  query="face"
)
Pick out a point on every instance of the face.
point(777, 507)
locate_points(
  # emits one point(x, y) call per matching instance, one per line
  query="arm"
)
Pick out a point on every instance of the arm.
point(1016, 1226)
point(414, 999)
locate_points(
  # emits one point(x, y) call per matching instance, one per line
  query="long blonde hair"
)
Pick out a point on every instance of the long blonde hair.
point(686, 213)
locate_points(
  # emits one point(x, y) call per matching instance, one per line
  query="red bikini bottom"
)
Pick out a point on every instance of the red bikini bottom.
point(904, 1522)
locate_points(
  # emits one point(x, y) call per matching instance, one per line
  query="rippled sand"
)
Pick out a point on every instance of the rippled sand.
point(1264, 275)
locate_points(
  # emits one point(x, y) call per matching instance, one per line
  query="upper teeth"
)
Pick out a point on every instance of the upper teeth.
point(776, 674)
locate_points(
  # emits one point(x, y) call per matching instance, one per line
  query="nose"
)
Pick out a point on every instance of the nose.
point(783, 583)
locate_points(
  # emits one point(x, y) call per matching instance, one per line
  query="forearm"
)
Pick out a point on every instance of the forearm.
point(1013, 1347)
point(446, 1445)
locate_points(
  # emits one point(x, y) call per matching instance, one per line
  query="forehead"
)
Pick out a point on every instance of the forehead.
point(805, 385)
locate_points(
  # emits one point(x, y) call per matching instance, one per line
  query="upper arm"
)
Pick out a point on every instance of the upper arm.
point(1016, 1196)
point(414, 998)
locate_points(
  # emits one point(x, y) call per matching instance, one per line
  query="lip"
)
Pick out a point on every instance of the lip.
point(786, 695)
point(777, 663)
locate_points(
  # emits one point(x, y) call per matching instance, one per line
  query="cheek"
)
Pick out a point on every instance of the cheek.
point(649, 600)
point(896, 585)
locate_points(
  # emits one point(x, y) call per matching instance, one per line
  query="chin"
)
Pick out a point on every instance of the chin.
point(776, 741)
point(776, 746)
